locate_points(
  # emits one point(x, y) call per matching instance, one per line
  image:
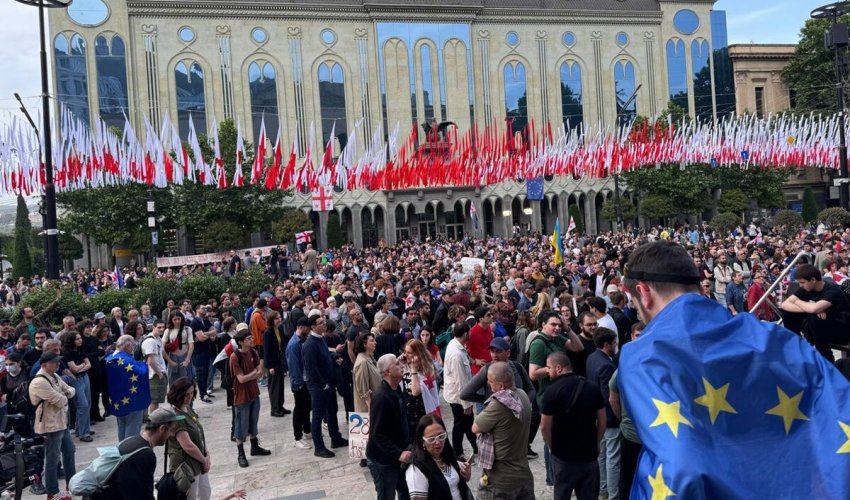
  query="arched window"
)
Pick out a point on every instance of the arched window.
point(427, 83)
point(677, 73)
point(189, 78)
point(262, 84)
point(516, 97)
point(332, 101)
point(71, 81)
point(111, 61)
point(625, 84)
point(702, 80)
point(571, 103)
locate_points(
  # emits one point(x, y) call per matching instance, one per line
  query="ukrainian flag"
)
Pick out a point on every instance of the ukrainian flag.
point(557, 244)
point(732, 407)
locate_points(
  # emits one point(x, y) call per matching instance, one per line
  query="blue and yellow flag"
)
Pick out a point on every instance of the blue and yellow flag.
point(557, 243)
point(129, 389)
point(731, 407)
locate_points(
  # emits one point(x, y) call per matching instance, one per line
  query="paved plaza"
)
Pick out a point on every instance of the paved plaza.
point(289, 473)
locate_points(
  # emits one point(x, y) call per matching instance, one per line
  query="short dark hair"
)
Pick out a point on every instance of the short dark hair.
point(603, 336)
point(461, 330)
point(619, 298)
point(808, 272)
point(664, 266)
point(313, 320)
point(158, 322)
point(584, 315)
point(547, 315)
point(597, 303)
point(638, 327)
point(480, 312)
point(360, 342)
point(262, 303)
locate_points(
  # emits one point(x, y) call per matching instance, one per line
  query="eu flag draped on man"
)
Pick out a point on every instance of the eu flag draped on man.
point(731, 407)
point(128, 384)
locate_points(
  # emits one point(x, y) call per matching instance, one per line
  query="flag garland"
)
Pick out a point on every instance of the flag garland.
point(96, 156)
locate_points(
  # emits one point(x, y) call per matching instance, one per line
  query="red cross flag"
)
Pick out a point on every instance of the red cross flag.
point(323, 199)
point(303, 237)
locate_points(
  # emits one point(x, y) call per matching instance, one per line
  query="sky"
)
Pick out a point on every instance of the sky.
point(748, 21)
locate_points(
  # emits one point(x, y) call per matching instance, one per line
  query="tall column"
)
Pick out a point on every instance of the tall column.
point(507, 221)
point(323, 230)
point(536, 219)
point(479, 207)
point(590, 214)
point(357, 226)
point(389, 224)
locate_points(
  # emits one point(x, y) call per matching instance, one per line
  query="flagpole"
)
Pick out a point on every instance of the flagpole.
point(617, 173)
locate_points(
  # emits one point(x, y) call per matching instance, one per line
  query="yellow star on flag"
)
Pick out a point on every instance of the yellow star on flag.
point(134, 378)
point(714, 400)
point(129, 368)
point(670, 414)
point(120, 361)
point(788, 409)
point(125, 401)
point(115, 405)
point(660, 491)
point(133, 389)
point(845, 448)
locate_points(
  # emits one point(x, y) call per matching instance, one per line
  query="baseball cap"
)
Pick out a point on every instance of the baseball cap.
point(242, 327)
point(162, 416)
point(99, 315)
point(612, 289)
point(500, 343)
point(49, 357)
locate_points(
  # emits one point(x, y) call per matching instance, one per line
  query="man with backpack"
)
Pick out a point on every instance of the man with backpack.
point(152, 352)
point(130, 474)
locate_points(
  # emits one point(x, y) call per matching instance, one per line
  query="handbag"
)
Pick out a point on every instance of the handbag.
point(174, 344)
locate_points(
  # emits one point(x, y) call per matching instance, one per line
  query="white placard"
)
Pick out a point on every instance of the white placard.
point(358, 434)
point(469, 264)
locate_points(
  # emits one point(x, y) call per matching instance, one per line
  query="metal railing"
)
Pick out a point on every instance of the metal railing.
point(775, 284)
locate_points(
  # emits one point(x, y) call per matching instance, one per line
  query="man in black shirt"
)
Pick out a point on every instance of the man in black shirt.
point(235, 264)
point(386, 450)
point(824, 307)
point(572, 423)
point(134, 478)
point(203, 355)
point(587, 324)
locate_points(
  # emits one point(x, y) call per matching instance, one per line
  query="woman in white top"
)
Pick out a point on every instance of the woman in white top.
point(434, 473)
point(179, 344)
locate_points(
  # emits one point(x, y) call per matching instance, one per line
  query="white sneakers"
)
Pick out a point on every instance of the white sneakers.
point(303, 443)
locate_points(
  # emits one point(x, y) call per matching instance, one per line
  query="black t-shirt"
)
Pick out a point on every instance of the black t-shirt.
point(133, 480)
point(579, 359)
point(573, 431)
point(201, 325)
point(234, 261)
point(831, 293)
point(77, 356)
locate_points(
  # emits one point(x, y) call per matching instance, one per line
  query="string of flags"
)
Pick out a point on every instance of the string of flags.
point(96, 156)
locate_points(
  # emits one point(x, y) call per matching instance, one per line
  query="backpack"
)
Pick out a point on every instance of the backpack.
point(138, 355)
point(95, 478)
point(19, 400)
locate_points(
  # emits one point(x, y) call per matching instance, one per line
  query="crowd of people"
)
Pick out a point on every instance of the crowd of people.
point(517, 346)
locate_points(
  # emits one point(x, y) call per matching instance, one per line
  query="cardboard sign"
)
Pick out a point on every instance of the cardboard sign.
point(469, 264)
point(358, 434)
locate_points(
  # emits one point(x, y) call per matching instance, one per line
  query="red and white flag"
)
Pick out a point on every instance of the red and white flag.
point(322, 199)
point(238, 178)
point(572, 226)
point(260, 155)
point(303, 237)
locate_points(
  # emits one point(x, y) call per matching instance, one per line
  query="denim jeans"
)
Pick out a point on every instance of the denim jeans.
point(324, 407)
point(201, 362)
point(82, 402)
point(547, 464)
point(581, 477)
point(179, 371)
point(389, 479)
point(210, 376)
point(247, 416)
point(609, 463)
point(56, 443)
point(130, 424)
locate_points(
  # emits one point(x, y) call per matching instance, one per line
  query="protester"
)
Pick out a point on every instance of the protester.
point(179, 344)
point(388, 434)
point(79, 364)
point(434, 472)
point(600, 369)
point(155, 356)
point(129, 389)
point(187, 443)
point(246, 367)
point(419, 383)
point(275, 363)
point(456, 375)
point(298, 384)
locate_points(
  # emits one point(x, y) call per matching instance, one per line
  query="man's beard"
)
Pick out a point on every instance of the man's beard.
point(643, 314)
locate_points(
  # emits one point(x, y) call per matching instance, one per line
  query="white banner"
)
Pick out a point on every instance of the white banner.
point(206, 258)
point(469, 264)
point(358, 434)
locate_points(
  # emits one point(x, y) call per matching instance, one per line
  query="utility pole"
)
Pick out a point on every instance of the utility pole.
point(837, 38)
point(617, 174)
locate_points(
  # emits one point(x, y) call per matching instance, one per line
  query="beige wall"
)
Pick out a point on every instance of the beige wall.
point(760, 66)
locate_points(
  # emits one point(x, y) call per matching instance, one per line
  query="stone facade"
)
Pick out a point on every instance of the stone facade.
point(392, 62)
point(758, 77)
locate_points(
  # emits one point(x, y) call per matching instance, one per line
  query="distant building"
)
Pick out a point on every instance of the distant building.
point(759, 89)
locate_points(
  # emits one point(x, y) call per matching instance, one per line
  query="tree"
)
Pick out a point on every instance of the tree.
point(810, 72)
point(22, 265)
point(292, 221)
point(627, 209)
point(223, 235)
point(787, 221)
point(252, 207)
point(334, 231)
point(835, 217)
point(725, 222)
point(686, 189)
point(733, 200)
point(577, 217)
point(70, 248)
point(657, 207)
point(810, 206)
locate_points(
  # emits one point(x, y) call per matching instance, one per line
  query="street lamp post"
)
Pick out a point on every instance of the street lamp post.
point(837, 38)
point(617, 174)
point(51, 235)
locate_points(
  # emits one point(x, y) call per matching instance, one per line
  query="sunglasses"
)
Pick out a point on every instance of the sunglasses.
point(439, 438)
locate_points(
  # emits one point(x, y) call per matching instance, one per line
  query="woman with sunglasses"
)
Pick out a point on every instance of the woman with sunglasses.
point(435, 472)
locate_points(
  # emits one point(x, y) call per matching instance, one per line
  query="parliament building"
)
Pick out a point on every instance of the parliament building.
point(367, 65)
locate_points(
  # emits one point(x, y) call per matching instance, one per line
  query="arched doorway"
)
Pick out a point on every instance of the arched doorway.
point(428, 223)
point(370, 230)
point(455, 221)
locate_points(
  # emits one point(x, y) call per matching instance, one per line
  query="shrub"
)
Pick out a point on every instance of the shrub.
point(200, 288)
point(733, 200)
point(67, 302)
point(787, 221)
point(155, 292)
point(725, 222)
point(107, 299)
point(252, 280)
point(810, 206)
point(834, 217)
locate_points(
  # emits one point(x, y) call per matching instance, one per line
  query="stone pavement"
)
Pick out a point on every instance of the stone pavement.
point(289, 473)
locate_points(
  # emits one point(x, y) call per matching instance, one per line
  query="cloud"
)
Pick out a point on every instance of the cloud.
point(20, 64)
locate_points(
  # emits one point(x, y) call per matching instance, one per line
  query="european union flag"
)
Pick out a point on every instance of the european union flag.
point(127, 378)
point(731, 407)
point(534, 188)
